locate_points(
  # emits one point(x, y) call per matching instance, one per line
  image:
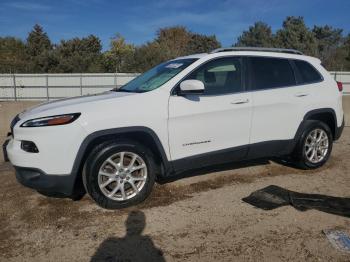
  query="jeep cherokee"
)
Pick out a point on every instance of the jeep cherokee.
point(191, 112)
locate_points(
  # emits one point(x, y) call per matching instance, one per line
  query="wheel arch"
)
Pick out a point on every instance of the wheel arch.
point(142, 135)
point(325, 115)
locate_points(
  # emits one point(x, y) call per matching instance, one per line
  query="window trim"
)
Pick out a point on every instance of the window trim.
point(174, 90)
point(295, 70)
point(247, 74)
point(252, 76)
point(298, 74)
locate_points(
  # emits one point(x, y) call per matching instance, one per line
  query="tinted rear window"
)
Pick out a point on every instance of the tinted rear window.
point(308, 74)
point(271, 73)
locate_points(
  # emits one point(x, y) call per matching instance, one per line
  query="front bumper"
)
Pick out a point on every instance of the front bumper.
point(57, 145)
point(62, 185)
point(49, 170)
point(56, 185)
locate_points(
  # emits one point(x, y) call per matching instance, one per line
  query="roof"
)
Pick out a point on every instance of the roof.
point(256, 51)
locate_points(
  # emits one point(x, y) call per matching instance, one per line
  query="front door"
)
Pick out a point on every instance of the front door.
point(212, 127)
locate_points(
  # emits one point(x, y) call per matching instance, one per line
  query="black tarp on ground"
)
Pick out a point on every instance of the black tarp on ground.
point(272, 197)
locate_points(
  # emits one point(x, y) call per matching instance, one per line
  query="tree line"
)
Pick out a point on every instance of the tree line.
point(37, 54)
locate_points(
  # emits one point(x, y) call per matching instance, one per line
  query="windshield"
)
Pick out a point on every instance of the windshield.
point(156, 76)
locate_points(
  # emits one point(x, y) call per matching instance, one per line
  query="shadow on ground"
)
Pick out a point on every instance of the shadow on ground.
point(132, 247)
point(272, 197)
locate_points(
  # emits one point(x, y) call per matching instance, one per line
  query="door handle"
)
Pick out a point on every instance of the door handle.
point(240, 101)
point(301, 94)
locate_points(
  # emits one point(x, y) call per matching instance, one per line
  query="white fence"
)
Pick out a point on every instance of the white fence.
point(343, 77)
point(54, 86)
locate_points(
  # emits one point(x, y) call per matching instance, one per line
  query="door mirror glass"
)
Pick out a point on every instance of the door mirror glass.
point(191, 86)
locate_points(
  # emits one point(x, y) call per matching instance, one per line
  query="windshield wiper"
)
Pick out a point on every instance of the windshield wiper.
point(130, 91)
point(122, 90)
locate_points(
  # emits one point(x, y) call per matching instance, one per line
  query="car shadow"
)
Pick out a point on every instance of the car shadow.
point(210, 169)
point(132, 247)
point(272, 197)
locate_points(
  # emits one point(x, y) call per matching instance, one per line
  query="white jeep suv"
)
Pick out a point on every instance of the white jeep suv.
point(229, 105)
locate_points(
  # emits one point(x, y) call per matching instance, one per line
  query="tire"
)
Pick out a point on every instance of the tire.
point(307, 145)
point(104, 165)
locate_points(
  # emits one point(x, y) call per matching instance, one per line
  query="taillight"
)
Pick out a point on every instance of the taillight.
point(340, 86)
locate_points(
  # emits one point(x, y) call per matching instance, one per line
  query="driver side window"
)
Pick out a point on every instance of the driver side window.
point(220, 76)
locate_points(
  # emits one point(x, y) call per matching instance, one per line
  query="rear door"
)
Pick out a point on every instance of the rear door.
point(278, 104)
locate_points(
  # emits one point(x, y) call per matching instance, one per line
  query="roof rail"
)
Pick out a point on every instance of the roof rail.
point(259, 49)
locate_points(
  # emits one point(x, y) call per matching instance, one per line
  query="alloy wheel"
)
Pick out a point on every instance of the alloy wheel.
point(316, 145)
point(122, 176)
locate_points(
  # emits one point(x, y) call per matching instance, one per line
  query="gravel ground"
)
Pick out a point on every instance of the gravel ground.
point(199, 218)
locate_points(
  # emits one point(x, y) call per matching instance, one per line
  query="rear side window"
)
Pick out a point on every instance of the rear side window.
point(270, 73)
point(307, 73)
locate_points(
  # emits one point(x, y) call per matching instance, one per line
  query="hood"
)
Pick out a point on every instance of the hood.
point(73, 101)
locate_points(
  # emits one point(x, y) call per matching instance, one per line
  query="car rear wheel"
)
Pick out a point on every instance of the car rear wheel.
point(314, 146)
point(119, 174)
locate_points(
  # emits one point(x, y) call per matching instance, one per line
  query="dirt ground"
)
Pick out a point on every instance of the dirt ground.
point(199, 218)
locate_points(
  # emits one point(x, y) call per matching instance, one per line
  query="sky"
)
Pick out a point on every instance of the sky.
point(139, 20)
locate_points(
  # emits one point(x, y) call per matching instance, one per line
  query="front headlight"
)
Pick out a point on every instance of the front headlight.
point(51, 120)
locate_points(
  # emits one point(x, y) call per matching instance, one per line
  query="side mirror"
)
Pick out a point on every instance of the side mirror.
point(191, 87)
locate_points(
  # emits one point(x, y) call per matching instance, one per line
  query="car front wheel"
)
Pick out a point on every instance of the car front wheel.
point(119, 174)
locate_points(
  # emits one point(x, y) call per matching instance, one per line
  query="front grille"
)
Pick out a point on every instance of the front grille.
point(13, 123)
